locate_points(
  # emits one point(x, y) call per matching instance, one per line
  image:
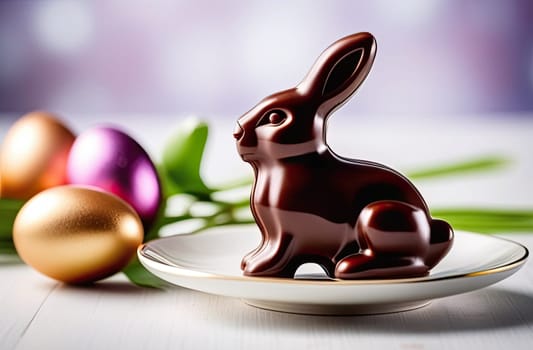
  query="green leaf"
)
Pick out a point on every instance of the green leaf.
point(480, 164)
point(168, 186)
point(7, 247)
point(138, 275)
point(182, 158)
point(9, 209)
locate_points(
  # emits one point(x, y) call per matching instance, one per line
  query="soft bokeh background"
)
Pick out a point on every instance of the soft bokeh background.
point(216, 59)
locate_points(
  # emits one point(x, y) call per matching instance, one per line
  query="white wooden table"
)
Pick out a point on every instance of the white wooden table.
point(39, 313)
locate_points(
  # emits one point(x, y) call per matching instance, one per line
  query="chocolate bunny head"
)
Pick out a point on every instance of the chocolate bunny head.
point(292, 122)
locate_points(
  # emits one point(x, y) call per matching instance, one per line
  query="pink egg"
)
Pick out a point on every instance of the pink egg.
point(111, 160)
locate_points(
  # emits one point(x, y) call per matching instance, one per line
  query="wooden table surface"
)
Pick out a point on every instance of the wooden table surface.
point(39, 313)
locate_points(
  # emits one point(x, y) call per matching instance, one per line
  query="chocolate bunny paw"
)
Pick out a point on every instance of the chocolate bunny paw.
point(271, 259)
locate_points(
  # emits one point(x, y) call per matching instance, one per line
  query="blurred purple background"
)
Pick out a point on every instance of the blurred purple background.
point(217, 59)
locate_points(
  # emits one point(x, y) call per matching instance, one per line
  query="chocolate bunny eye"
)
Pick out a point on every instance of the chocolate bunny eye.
point(274, 117)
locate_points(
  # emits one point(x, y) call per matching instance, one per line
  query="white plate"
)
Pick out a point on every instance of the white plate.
point(210, 262)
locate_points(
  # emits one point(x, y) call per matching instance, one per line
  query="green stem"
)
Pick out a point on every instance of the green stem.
point(479, 164)
point(487, 220)
point(246, 181)
point(213, 223)
point(241, 203)
point(482, 212)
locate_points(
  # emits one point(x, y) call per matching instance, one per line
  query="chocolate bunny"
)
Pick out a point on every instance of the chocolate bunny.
point(355, 218)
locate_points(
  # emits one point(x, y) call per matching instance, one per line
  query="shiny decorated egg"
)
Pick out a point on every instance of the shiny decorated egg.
point(33, 156)
point(76, 234)
point(113, 161)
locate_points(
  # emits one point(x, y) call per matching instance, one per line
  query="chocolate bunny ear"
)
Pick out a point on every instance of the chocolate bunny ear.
point(339, 71)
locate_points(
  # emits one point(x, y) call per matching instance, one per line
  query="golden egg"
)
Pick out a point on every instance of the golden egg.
point(34, 155)
point(77, 234)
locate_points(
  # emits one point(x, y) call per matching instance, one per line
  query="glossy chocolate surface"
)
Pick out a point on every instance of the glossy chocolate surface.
point(355, 218)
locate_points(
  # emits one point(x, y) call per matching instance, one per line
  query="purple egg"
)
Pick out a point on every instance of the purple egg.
point(111, 160)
